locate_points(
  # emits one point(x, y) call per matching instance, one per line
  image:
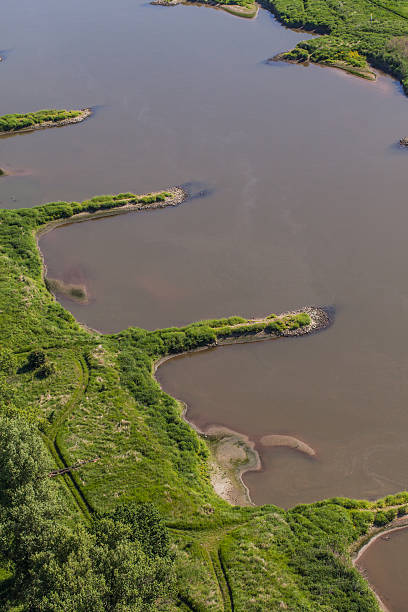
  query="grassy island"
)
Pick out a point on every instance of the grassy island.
point(89, 539)
point(19, 122)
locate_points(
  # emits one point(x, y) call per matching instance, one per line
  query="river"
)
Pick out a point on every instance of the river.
point(306, 204)
point(383, 564)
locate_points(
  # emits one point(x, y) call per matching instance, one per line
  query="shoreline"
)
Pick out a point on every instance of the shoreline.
point(367, 75)
point(396, 525)
point(228, 465)
point(233, 9)
point(85, 114)
point(177, 196)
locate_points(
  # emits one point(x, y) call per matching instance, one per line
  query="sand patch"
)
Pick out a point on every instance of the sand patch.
point(288, 442)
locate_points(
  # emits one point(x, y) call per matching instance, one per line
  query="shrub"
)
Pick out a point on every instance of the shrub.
point(275, 327)
point(244, 330)
point(46, 370)
point(36, 359)
point(382, 518)
point(303, 319)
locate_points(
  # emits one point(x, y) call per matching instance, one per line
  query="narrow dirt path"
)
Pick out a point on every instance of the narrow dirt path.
point(51, 439)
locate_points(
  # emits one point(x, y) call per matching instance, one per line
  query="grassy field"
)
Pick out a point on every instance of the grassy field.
point(99, 399)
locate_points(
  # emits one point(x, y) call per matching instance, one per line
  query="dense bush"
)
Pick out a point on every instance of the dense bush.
point(46, 370)
point(120, 562)
point(36, 359)
point(382, 518)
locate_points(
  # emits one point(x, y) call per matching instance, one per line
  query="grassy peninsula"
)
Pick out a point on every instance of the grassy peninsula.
point(354, 34)
point(90, 539)
point(18, 122)
point(239, 8)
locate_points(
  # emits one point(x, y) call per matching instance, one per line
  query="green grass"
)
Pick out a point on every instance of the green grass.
point(354, 33)
point(102, 401)
point(19, 121)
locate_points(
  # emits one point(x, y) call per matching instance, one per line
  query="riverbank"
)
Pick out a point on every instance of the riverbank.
point(248, 11)
point(396, 525)
point(362, 72)
point(345, 42)
point(233, 454)
point(129, 203)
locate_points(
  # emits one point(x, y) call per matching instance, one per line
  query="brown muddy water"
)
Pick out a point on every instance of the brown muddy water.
point(384, 565)
point(307, 204)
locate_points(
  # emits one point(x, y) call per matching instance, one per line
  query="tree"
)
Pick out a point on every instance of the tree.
point(147, 527)
point(36, 359)
point(119, 563)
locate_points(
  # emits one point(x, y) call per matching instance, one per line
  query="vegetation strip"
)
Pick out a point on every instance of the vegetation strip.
point(95, 396)
point(239, 8)
point(28, 122)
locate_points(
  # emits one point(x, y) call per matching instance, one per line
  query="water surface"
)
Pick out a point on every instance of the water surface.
point(384, 564)
point(307, 205)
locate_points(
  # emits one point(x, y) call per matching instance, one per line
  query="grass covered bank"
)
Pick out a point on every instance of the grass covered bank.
point(25, 122)
point(240, 8)
point(354, 34)
point(91, 395)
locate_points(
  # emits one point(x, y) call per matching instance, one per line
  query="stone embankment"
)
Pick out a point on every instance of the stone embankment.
point(319, 319)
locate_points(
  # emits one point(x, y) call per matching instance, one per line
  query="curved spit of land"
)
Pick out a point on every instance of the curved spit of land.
point(39, 120)
point(248, 9)
point(233, 453)
point(398, 524)
point(96, 209)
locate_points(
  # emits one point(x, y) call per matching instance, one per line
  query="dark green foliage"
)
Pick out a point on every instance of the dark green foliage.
point(276, 327)
point(354, 32)
point(46, 370)
point(298, 54)
point(147, 527)
point(36, 359)
point(382, 518)
point(117, 564)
